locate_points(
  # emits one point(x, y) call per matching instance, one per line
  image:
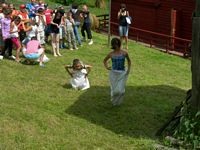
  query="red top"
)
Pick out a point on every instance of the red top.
point(48, 14)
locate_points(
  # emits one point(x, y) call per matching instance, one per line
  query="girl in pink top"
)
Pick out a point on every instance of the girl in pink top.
point(34, 51)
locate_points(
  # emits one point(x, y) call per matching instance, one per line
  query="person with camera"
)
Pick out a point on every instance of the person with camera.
point(123, 25)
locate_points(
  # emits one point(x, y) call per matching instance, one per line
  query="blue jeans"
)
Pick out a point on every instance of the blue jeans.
point(76, 33)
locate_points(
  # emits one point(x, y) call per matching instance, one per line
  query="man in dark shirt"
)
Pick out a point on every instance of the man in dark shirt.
point(85, 14)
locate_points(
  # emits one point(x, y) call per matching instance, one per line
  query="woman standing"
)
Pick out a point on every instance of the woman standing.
point(55, 24)
point(123, 25)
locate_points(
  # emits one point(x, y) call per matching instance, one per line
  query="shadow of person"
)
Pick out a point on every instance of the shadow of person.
point(142, 113)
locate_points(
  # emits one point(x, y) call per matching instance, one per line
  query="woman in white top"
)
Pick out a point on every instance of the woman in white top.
point(15, 35)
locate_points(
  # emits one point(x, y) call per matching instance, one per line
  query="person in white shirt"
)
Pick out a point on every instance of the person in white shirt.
point(31, 31)
point(41, 23)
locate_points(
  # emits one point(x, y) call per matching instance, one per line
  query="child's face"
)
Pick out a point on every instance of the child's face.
point(77, 66)
point(85, 8)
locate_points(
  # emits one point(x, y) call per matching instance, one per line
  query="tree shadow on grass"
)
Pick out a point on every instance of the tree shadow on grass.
point(143, 112)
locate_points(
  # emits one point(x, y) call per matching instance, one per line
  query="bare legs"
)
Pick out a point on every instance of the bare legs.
point(126, 41)
point(55, 44)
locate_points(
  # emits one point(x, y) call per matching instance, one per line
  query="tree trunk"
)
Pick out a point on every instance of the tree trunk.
point(100, 4)
point(195, 99)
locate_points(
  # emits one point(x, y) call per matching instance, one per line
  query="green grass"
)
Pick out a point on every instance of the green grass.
point(39, 110)
point(52, 5)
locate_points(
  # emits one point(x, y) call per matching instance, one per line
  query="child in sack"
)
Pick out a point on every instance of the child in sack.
point(79, 75)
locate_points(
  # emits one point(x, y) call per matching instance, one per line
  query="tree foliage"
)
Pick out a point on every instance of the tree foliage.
point(100, 4)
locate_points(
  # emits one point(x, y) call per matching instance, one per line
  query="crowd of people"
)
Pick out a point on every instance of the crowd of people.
point(35, 21)
point(28, 30)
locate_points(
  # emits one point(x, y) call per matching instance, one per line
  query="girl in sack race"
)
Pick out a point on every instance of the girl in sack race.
point(118, 74)
point(79, 75)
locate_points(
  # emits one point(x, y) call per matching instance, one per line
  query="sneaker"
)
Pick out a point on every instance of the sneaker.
point(1, 57)
point(76, 48)
point(91, 42)
point(71, 49)
point(12, 57)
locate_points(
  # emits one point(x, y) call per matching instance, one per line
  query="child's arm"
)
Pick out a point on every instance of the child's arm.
point(11, 27)
point(67, 67)
point(129, 63)
point(29, 28)
point(105, 61)
point(88, 68)
point(43, 20)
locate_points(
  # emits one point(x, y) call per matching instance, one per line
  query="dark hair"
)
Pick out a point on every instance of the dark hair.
point(45, 5)
point(123, 6)
point(76, 61)
point(40, 10)
point(74, 6)
point(34, 38)
point(115, 43)
point(7, 11)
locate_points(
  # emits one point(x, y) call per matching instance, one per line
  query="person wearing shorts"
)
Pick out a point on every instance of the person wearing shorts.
point(15, 36)
point(123, 25)
point(34, 51)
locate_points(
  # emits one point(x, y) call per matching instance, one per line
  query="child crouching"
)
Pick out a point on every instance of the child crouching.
point(79, 72)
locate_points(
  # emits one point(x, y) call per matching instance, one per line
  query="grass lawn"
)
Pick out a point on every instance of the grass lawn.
point(39, 110)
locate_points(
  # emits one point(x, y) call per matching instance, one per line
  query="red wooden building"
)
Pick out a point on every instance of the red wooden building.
point(169, 18)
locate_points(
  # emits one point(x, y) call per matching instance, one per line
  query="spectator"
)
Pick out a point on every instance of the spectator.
point(123, 25)
point(48, 13)
point(55, 24)
point(14, 11)
point(86, 25)
point(25, 19)
point(34, 51)
point(5, 24)
point(76, 16)
point(31, 31)
point(1, 38)
point(69, 21)
point(15, 36)
point(41, 23)
point(31, 7)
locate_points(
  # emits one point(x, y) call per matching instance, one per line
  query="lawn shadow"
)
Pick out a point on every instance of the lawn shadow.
point(67, 86)
point(143, 112)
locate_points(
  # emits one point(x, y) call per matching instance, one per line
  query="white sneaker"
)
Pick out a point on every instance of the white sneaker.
point(12, 57)
point(71, 49)
point(1, 57)
point(91, 42)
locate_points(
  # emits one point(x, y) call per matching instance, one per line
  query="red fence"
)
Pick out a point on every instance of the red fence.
point(167, 43)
